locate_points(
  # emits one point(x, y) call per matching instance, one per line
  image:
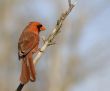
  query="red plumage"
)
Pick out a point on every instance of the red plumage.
point(27, 46)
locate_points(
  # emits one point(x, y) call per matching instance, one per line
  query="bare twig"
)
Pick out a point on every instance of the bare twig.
point(56, 30)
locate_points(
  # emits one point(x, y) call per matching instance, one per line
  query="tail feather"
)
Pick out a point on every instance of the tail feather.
point(32, 68)
point(28, 70)
point(25, 73)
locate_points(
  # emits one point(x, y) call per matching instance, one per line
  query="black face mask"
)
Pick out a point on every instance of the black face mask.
point(38, 27)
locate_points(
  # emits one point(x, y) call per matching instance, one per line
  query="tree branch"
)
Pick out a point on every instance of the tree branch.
point(56, 30)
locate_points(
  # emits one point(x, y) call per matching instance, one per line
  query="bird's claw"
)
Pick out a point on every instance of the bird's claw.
point(44, 39)
point(40, 50)
point(51, 43)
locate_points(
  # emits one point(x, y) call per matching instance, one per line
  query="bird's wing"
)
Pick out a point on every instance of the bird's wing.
point(27, 42)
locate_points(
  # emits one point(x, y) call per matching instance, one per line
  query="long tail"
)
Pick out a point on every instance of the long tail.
point(31, 68)
point(28, 70)
point(25, 73)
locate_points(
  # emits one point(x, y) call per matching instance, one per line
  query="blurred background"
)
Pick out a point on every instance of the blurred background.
point(80, 61)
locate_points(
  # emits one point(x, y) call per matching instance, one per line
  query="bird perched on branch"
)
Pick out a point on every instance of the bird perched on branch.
point(27, 46)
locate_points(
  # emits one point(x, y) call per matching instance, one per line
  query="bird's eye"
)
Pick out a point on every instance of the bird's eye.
point(39, 26)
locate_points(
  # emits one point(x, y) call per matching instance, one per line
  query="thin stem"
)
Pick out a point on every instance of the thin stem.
point(55, 31)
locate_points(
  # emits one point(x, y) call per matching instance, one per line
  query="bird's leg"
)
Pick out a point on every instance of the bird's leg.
point(44, 39)
point(51, 43)
point(39, 49)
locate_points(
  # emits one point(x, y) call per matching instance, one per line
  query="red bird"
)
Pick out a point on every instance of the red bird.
point(27, 46)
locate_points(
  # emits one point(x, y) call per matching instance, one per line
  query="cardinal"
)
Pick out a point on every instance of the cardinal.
point(27, 46)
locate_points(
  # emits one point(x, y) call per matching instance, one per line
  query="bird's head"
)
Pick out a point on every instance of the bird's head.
point(37, 26)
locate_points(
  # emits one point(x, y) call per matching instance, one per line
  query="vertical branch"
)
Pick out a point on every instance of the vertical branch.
point(56, 30)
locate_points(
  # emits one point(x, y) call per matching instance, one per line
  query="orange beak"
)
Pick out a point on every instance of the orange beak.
point(42, 28)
